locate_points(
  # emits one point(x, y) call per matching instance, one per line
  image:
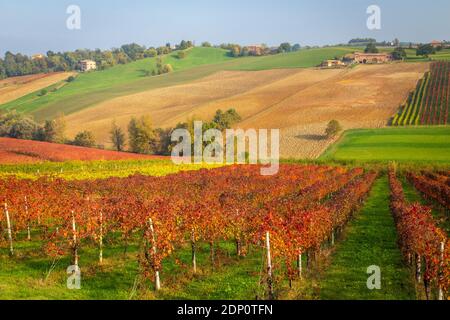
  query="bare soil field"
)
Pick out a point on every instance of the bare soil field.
point(16, 87)
point(300, 102)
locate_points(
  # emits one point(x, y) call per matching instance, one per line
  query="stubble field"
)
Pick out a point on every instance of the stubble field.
point(300, 102)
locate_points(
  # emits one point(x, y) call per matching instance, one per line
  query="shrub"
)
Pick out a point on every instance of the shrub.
point(84, 139)
point(333, 128)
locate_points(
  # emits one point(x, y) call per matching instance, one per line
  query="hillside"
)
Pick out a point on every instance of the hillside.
point(93, 88)
point(298, 101)
point(17, 87)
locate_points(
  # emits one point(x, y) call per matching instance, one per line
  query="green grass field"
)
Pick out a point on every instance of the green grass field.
point(370, 239)
point(95, 87)
point(418, 144)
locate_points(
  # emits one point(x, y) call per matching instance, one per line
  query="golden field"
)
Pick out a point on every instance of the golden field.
point(300, 102)
point(17, 87)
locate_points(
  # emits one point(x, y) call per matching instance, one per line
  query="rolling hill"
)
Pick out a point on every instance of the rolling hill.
point(298, 101)
point(16, 87)
point(93, 88)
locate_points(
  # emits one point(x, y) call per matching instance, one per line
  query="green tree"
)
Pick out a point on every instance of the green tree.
point(141, 135)
point(163, 142)
point(371, 48)
point(333, 129)
point(59, 129)
point(425, 50)
point(206, 44)
point(182, 54)
point(399, 53)
point(285, 47)
point(84, 139)
point(117, 137)
point(225, 120)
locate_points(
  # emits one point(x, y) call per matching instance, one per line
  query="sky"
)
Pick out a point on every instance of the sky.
point(36, 26)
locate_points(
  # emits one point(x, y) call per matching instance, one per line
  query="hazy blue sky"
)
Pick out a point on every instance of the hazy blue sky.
point(32, 26)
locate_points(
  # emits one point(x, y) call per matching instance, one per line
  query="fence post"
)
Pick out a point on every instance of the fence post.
point(8, 226)
point(157, 280)
point(299, 264)
point(418, 268)
point(28, 223)
point(441, 272)
point(194, 254)
point(269, 267)
point(74, 239)
point(100, 255)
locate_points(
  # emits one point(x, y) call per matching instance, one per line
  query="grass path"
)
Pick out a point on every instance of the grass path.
point(370, 240)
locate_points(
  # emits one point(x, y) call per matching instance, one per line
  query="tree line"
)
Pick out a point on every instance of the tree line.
point(13, 65)
point(237, 50)
point(141, 136)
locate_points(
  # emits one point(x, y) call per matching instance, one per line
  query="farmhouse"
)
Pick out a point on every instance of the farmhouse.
point(88, 65)
point(372, 58)
point(332, 63)
point(436, 43)
point(255, 50)
point(37, 56)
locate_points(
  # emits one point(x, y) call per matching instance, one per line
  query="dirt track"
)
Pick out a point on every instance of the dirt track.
point(300, 102)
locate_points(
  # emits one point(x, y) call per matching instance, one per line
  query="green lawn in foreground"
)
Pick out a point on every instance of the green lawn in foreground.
point(370, 239)
point(95, 87)
point(418, 144)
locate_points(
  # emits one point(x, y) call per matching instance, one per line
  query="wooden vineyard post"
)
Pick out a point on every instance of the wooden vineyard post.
point(332, 237)
point(152, 231)
point(8, 226)
point(299, 264)
point(28, 223)
point(100, 240)
point(441, 272)
point(269, 267)
point(211, 254)
point(194, 254)
point(74, 239)
point(418, 268)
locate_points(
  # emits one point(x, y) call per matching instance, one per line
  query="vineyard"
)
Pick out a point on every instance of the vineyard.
point(305, 208)
point(16, 151)
point(429, 104)
point(424, 245)
point(290, 220)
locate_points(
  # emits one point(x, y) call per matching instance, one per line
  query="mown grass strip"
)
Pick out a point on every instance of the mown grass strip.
point(370, 240)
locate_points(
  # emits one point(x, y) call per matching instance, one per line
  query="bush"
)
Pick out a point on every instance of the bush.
point(182, 54)
point(43, 92)
point(167, 68)
point(333, 128)
point(84, 139)
point(71, 79)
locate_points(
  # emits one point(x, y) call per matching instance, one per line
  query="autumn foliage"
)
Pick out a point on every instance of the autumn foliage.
point(300, 207)
point(15, 151)
point(420, 238)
